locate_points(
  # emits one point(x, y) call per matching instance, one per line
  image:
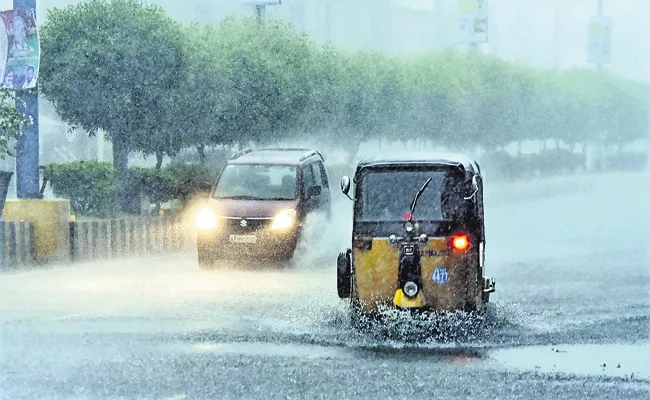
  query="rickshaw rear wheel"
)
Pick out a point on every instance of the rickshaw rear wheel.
point(343, 275)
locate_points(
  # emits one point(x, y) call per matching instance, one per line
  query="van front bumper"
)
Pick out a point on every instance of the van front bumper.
point(262, 242)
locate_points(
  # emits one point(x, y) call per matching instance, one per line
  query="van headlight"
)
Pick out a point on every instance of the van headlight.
point(206, 219)
point(284, 219)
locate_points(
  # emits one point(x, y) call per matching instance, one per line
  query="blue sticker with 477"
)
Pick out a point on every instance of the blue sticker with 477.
point(440, 275)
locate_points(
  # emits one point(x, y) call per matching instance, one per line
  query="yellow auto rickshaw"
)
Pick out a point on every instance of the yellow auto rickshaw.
point(418, 236)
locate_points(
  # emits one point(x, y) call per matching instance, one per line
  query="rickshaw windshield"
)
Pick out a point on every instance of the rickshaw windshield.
point(387, 195)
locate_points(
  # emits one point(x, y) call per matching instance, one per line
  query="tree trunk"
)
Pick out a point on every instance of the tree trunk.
point(201, 149)
point(121, 166)
point(159, 159)
point(353, 147)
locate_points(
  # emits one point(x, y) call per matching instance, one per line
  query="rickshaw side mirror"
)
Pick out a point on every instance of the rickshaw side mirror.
point(474, 187)
point(345, 186)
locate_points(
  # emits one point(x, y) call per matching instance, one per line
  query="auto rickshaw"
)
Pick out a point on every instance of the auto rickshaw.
point(418, 236)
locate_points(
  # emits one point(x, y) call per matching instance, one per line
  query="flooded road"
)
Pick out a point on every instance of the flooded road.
point(570, 319)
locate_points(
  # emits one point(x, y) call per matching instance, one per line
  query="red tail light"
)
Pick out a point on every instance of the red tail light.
point(460, 242)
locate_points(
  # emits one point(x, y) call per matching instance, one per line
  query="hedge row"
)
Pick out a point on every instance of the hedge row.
point(91, 185)
point(502, 165)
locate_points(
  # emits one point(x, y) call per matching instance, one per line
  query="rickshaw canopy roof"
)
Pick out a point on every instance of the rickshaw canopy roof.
point(420, 158)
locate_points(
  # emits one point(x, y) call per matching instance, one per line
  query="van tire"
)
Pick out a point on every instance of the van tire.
point(205, 259)
point(343, 275)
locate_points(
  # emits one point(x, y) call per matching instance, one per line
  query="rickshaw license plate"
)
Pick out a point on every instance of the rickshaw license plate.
point(243, 239)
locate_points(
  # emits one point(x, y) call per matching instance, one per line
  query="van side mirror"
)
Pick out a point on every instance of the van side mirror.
point(345, 186)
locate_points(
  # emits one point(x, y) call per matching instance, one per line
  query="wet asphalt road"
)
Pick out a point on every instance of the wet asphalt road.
point(571, 319)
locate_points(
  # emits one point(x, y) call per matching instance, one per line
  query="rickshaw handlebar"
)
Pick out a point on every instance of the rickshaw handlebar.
point(393, 239)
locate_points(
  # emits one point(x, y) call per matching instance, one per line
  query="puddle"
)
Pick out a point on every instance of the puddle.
point(270, 349)
point(614, 360)
point(452, 355)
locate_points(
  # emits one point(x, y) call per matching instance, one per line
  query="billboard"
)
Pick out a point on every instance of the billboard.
point(600, 40)
point(19, 49)
point(473, 21)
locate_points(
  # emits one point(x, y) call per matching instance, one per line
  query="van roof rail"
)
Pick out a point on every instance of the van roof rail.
point(308, 152)
point(240, 153)
point(311, 153)
point(282, 149)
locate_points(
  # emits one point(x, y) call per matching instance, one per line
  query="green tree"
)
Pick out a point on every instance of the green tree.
point(326, 77)
point(198, 102)
point(264, 67)
point(111, 65)
point(11, 121)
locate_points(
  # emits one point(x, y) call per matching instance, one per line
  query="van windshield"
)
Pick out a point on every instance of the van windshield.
point(257, 182)
point(387, 195)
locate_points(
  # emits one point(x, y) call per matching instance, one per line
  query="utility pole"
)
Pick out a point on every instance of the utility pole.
point(599, 64)
point(260, 11)
point(260, 8)
point(27, 147)
point(480, 12)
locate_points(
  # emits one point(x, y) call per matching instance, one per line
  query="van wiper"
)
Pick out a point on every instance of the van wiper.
point(417, 196)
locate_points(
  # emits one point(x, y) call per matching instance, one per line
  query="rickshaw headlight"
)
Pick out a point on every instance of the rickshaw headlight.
point(408, 226)
point(410, 289)
point(206, 219)
point(284, 219)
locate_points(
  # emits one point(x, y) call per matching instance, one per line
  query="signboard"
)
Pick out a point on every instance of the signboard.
point(600, 40)
point(19, 49)
point(473, 21)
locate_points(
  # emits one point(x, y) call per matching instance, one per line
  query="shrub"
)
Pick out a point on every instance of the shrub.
point(90, 186)
point(627, 161)
point(156, 184)
point(502, 165)
point(189, 181)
